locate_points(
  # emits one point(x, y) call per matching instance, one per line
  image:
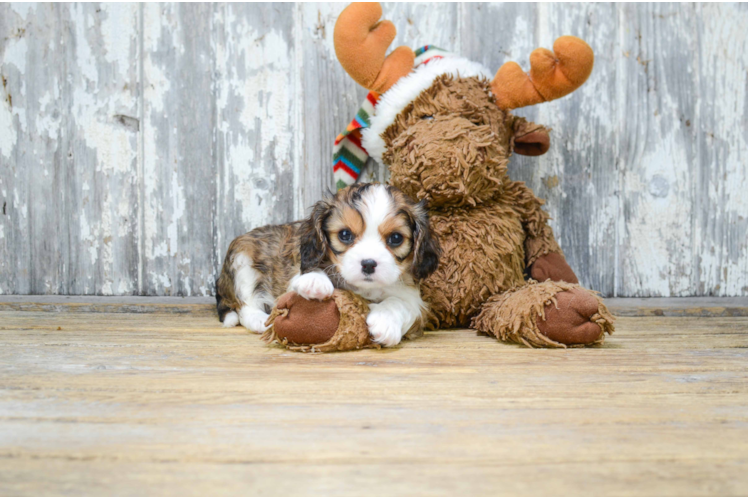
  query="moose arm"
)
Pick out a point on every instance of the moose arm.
point(543, 256)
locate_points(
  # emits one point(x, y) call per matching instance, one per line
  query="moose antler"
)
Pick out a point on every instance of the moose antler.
point(361, 41)
point(552, 74)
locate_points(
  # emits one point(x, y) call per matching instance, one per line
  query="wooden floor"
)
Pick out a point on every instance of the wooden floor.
point(161, 400)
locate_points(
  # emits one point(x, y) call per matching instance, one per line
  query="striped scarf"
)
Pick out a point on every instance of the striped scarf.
point(348, 155)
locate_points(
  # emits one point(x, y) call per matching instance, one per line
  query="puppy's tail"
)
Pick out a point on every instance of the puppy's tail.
point(221, 306)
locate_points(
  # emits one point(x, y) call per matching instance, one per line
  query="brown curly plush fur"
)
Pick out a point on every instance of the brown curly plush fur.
point(483, 253)
point(451, 147)
point(450, 159)
point(351, 332)
point(515, 315)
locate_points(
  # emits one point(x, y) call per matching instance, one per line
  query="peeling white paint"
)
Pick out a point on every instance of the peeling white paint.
point(22, 9)
point(84, 57)
point(125, 287)
point(111, 141)
point(156, 84)
point(156, 89)
point(603, 233)
point(265, 90)
point(47, 124)
point(152, 211)
point(659, 229)
point(162, 280)
point(264, 94)
point(20, 205)
point(159, 250)
point(88, 238)
point(724, 258)
point(16, 49)
point(178, 204)
point(124, 213)
point(118, 32)
point(7, 130)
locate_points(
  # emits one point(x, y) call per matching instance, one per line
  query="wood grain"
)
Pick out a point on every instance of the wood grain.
point(170, 404)
point(136, 141)
point(179, 122)
point(205, 306)
point(721, 176)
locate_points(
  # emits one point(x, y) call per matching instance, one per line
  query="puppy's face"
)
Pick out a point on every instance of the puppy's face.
point(373, 235)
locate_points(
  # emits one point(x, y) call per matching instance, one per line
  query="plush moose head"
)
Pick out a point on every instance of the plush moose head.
point(445, 128)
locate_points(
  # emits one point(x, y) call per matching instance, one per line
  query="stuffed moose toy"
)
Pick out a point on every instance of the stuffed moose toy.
point(443, 126)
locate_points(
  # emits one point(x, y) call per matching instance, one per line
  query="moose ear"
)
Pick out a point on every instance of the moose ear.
point(530, 139)
point(533, 144)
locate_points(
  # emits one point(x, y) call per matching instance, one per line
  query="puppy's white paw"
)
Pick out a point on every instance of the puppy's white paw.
point(313, 285)
point(230, 320)
point(383, 328)
point(253, 319)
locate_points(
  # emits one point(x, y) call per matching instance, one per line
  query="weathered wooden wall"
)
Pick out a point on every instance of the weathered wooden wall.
point(137, 140)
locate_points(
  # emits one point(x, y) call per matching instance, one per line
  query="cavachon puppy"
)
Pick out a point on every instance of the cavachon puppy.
point(368, 238)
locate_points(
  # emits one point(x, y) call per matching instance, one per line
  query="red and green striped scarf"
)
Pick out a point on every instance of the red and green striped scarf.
point(348, 155)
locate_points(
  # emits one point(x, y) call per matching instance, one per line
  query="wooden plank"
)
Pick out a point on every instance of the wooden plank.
point(201, 307)
point(721, 176)
point(629, 307)
point(639, 478)
point(179, 185)
point(99, 253)
point(674, 307)
point(168, 404)
point(257, 99)
point(30, 150)
point(71, 94)
point(33, 99)
point(656, 98)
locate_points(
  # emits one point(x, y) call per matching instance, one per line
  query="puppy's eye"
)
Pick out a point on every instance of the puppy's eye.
point(395, 240)
point(427, 117)
point(346, 236)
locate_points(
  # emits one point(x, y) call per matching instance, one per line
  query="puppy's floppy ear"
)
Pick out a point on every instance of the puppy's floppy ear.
point(313, 239)
point(426, 249)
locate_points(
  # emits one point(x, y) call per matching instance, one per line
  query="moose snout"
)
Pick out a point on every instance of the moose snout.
point(368, 266)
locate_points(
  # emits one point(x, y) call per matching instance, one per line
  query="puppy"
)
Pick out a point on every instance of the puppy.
point(368, 238)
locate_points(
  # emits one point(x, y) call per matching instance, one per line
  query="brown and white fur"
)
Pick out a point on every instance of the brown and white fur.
point(368, 238)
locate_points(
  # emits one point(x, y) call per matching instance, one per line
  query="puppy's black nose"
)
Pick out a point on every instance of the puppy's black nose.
point(368, 265)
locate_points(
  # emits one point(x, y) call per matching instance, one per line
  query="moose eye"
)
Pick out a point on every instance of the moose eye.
point(427, 117)
point(395, 240)
point(345, 235)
